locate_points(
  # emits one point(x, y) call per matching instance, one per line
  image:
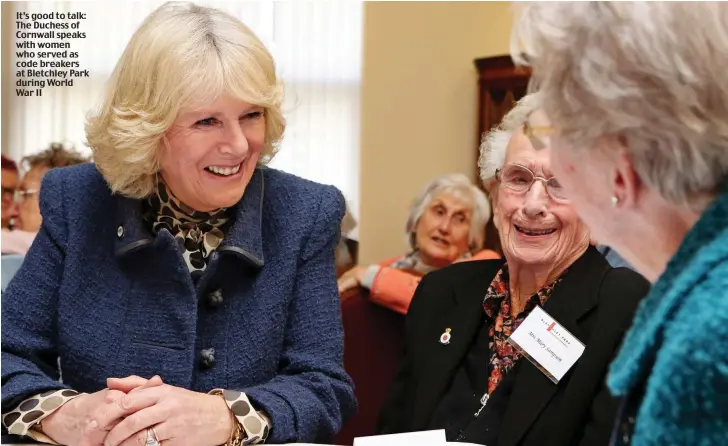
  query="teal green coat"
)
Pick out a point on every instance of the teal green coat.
point(678, 344)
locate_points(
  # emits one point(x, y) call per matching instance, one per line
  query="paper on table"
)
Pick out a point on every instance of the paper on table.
point(429, 438)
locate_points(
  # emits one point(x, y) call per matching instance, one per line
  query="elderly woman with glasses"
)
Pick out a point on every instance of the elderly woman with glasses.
point(515, 351)
point(25, 207)
point(639, 109)
point(446, 224)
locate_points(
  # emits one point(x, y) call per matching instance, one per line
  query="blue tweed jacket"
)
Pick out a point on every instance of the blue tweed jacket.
point(108, 298)
point(677, 351)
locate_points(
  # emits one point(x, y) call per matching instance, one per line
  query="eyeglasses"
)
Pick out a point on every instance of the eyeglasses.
point(520, 178)
point(21, 195)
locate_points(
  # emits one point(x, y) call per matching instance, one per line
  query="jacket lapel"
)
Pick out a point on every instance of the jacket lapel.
point(463, 317)
point(575, 296)
point(244, 238)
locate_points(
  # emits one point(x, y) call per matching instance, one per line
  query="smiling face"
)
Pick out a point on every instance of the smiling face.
point(534, 228)
point(442, 233)
point(212, 153)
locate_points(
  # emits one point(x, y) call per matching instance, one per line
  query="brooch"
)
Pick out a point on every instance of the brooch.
point(445, 337)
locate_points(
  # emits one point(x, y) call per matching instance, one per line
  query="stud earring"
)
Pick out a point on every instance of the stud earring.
point(615, 201)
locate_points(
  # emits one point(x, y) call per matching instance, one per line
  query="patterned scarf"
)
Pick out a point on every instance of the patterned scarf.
point(413, 261)
point(497, 305)
point(198, 233)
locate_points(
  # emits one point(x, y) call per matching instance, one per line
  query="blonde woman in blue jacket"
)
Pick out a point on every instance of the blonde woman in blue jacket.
point(637, 120)
point(189, 291)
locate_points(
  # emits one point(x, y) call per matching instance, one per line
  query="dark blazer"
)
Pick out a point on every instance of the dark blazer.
point(594, 301)
point(108, 297)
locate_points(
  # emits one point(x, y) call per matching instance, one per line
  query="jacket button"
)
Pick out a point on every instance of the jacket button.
point(214, 299)
point(120, 231)
point(207, 357)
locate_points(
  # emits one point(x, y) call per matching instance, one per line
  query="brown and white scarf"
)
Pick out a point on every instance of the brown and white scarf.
point(198, 233)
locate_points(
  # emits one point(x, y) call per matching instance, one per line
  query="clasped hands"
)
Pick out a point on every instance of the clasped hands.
point(121, 414)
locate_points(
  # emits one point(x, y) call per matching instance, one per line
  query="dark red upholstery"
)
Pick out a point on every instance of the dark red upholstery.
point(373, 341)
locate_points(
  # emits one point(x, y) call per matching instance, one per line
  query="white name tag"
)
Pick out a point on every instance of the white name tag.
point(548, 345)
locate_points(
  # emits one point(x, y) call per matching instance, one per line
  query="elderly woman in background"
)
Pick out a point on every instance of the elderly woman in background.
point(26, 205)
point(638, 113)
point(189, 291)
point(473, 382)
point(35, 167)
point(446, 224)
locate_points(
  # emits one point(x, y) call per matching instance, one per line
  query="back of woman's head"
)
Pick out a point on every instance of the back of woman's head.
point(56, 155)
point(648, 74)
point(183, 56)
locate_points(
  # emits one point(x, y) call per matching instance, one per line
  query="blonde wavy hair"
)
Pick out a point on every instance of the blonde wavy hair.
point(651, 75)
point(183, 56)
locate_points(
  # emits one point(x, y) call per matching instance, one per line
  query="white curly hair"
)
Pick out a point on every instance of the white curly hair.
point(651, 75)
point(494, 147)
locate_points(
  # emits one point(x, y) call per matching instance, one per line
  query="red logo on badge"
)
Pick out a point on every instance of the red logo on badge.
point(445, 337)
point(551, 326)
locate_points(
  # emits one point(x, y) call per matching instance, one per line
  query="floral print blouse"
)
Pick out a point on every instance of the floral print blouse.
point(497, 306)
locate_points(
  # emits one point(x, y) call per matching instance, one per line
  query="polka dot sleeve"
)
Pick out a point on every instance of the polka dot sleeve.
point(255, 425)
point(25, 419)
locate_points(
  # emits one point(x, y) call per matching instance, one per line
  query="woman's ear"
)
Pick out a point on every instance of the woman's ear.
point(163, 151)
point(626, 182)
point(490, 185)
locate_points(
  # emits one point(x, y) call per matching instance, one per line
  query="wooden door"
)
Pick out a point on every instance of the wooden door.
point(500, 85)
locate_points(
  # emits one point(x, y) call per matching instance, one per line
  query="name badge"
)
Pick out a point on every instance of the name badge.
point(548, 345)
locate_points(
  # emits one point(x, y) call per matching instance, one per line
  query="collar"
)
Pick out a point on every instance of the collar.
point(163, 203)
point(499, 293)
point(243, 239)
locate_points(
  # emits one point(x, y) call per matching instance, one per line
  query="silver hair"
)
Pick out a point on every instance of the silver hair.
point(650, 75)
point(460, 186)
point(495, 143)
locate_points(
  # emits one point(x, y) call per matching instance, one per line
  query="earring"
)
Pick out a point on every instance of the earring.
point(615, 201)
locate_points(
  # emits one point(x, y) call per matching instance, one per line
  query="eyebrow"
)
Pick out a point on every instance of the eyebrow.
point(465, 209)
point(530, 163)
point(206, 112)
